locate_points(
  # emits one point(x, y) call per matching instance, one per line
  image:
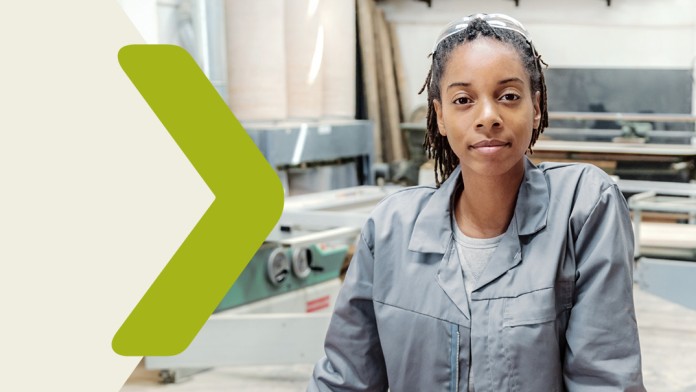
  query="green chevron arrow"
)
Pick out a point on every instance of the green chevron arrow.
point(248, 201)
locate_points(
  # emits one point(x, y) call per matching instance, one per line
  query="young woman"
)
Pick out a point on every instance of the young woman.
point(504, 277)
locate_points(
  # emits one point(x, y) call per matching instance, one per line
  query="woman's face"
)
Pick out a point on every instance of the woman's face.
point(487, 111)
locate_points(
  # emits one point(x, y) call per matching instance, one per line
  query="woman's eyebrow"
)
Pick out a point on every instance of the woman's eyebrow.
point(504, 81)
point(458, 84)
point(513, 79)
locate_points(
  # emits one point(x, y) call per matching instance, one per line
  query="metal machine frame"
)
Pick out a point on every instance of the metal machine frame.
point(668, 270)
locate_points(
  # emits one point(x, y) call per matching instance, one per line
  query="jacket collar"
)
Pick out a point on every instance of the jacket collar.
point(433, 229)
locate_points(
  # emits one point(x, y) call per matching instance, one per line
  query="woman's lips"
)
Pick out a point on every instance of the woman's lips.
point(489, 146)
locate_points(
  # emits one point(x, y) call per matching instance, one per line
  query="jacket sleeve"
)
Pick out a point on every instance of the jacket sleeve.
point(603, 352)
point(354, 360)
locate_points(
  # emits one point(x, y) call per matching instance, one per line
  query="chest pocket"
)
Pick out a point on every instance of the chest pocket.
point(536, 307)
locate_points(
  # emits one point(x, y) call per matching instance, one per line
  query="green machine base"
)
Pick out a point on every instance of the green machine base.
point(277, 270)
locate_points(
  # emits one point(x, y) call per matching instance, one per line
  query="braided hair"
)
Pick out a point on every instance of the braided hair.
point(436, 145)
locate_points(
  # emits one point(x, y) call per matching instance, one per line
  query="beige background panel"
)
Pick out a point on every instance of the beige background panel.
point(96, 196)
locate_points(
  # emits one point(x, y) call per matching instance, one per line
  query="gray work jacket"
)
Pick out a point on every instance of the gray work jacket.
point(552, 311)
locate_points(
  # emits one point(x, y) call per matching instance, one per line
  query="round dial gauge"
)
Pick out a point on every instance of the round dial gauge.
point(301, 262)
point(278, 266)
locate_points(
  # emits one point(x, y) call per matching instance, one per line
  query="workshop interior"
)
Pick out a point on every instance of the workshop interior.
point(328, 92)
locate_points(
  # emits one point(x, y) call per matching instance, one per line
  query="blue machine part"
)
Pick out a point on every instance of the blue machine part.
point(669, 279)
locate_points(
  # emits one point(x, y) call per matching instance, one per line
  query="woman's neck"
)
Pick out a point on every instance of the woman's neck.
point(487, 203)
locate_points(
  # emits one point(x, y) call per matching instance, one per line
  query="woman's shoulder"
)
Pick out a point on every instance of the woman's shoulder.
point(408, 199)
point(562, 175)
point(397, 213)
point(577, 189)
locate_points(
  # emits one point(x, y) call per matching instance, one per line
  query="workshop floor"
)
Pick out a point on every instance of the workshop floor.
point(667, 334)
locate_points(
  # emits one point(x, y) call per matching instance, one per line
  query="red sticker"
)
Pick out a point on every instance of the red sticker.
point(318, 304)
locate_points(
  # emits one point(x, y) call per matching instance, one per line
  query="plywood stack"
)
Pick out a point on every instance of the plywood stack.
point(338, 21)
point(304, 47)
point(291, 59)
point(256, 60)
point(295, 60)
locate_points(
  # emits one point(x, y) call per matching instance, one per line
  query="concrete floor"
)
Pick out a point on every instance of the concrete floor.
point(668, 343)
point(256, 378)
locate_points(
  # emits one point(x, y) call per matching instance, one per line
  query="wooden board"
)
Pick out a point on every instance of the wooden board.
point(368, 50)
point(387, 88)
point(400, 73)
point(668, 235)
point(338, 62)
point(256, 60)
point(304, 44)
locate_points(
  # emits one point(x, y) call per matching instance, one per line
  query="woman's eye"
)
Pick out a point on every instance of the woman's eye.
point(510, 97)
point(462, 101)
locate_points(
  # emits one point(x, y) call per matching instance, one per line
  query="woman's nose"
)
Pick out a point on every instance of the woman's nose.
point(489, 117)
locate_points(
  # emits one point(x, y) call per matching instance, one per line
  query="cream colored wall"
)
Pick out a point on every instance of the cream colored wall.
point(568, 33)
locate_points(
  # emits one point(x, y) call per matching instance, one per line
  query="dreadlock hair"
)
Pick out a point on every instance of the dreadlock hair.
point(436, 145)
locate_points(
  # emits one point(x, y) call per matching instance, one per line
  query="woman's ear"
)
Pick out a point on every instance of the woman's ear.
point(438, 111)
point(537, 110)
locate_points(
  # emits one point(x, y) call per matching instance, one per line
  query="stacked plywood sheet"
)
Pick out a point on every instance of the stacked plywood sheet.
point(291, 59)
point(338, 90)
point(256, 59)
point(304, 51)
